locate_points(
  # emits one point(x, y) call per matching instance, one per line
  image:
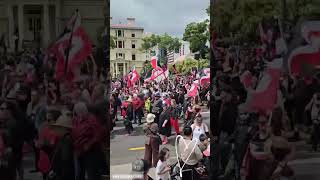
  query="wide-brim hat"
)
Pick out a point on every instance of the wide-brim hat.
point(63, 122)
point(150, 118)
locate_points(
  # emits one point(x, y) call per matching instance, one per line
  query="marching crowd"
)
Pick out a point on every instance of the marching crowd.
point(166, 106)
point(63, 123)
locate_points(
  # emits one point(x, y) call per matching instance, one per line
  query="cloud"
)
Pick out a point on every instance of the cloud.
point(160, 16)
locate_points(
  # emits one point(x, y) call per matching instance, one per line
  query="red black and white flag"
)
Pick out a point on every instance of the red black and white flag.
point(71, 49)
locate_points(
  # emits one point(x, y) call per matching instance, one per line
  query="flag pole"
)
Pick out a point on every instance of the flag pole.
point(70, 43)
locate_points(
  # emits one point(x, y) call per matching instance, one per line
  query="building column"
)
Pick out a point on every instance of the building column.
point(124, 68)
point(20, 25)
point(117, 69)
point(46, 25)
point(10, 27)
point(57, 18)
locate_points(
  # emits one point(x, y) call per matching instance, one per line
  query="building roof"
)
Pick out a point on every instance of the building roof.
point(125, 26)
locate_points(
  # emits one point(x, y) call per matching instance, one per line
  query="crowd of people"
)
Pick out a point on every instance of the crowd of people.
point(166, 107)
point(257, 144)
point(61, 124)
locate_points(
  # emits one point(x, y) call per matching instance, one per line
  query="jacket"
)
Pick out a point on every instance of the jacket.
point(63, 159)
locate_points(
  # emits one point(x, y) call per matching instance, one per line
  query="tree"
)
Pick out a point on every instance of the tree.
point(185, 67)
point(239, 19)
point(197, 35)
point(164, 42)
point(112, 42)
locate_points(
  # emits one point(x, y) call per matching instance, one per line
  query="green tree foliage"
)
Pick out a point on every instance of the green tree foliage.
point(185, 67)
point(197, 35)
point(241, 17)
point(147, 69)
point(164, 41)
point(112, 42)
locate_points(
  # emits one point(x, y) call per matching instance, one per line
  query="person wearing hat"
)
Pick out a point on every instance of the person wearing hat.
point(157, 106)
point(140, 168)
point(129, 116)
point(62, 159)
point(152, 140)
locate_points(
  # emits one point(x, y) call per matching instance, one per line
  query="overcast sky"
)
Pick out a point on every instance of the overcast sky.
point(160, 16)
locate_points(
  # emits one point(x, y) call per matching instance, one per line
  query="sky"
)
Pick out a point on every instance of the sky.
point(160, 16)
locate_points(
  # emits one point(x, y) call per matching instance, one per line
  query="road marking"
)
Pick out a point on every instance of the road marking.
point(136, 149)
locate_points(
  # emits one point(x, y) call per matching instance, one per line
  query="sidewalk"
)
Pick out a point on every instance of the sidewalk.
point(123, 171)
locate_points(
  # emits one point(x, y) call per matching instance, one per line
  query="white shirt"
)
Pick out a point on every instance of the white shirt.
point(198, 130)
point(160, 167)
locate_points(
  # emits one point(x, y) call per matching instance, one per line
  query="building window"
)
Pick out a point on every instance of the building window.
point(120, 33)
point(30, 24)
point(120, 56)
point(133, 44)
point(133, 35)
point(120, 44)
point(133, 57)
point(39, 24)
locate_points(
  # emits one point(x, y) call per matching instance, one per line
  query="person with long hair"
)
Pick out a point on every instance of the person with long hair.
point(199, 127)
point(164, 123)
point(163, 169)
point(174, 117)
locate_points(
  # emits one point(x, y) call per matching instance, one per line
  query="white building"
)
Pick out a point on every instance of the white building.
point(127, 52)
point(39, 22)
point(184, 51)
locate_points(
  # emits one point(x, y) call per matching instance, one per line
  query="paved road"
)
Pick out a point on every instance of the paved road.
point(306, 164)
point(120, 144)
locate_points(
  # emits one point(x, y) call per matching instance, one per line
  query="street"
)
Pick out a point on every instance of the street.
point(125, 149)
point(121, 153)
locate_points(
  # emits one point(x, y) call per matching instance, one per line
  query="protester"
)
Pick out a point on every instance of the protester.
point(163, 169)
point(153, 140)
point(164, 123)
point(174, 116)
point(199, 127)
point(62, 160)
point(88, 135)
point(190, 155)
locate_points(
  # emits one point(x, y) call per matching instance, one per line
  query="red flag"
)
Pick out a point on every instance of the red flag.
point(265, 97)
point(80, 49)
point(134, 76)
point(308, 55)
point(154, 62)
point(205, 80)
point(193, 91)
point(246, 79)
